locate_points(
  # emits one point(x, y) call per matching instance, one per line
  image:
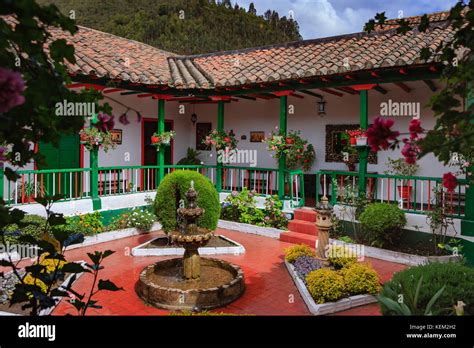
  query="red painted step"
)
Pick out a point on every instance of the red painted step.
point(302, 226)
point(298, 238)
point(305, 214)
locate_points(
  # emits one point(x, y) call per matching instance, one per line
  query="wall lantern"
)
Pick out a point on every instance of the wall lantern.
point(322, 107)
point(194, 118)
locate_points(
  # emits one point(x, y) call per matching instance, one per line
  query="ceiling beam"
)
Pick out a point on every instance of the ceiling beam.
point(430, 85)
point(403, 86)
point(347, 90)
point(246, 97)
point(112, 90)
point(330, 91)
point(380, 89)
point(310, 93)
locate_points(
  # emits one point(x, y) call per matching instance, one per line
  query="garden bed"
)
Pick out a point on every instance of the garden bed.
point(399, 257)
point(252, 229)
point(160, 247)
point(328, 307)
point(8, 283)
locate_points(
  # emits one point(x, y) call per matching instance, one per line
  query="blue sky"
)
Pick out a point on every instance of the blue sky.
point(322, 18)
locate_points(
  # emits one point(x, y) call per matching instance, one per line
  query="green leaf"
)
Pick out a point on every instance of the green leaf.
point(108, 285)
point(73, 267)
point(107, 253)
point(433, 300)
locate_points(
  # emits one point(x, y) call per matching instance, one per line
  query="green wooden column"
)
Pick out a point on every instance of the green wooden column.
point(363, 151)
point(283, 131)
point(94, 177)
point(161, 128)
point(2, 180)
point(467, 223)
point(220, 127)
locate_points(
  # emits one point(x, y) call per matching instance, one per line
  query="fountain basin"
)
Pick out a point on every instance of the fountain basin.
point(162, 285)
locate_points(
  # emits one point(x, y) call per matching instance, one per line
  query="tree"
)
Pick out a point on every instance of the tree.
point(252, 9)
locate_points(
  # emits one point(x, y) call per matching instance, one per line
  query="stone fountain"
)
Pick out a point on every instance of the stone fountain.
point(190, 282)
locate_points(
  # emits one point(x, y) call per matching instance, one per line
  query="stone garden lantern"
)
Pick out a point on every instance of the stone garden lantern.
point(323, 224)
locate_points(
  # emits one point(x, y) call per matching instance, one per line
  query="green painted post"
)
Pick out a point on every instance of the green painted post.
point(363, 151)
point(94, 165)
point(161, 128)
point(2, 176)
point(220, 127)
point(467, 223)
point(283, 131)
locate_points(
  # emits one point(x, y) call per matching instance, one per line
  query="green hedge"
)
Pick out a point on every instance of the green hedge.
point(382, 223)
point(173, 188)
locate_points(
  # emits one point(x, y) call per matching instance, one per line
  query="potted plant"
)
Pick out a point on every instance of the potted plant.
point(93, 137)
point(400, 168)
point(221, 140)
point(162, 139)
point(357, 137)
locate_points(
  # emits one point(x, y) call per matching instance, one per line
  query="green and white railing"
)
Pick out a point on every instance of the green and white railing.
point(71, 183)
point(121, 180)
point(414, 194)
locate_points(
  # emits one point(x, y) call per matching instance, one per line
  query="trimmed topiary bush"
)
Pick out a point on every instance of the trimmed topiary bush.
point(360, 278)
point(341, 256)
point(382, 223)
point(292, 253)
point(34, 227)
point(325, 285)
point(174, 187)
point(457, 279)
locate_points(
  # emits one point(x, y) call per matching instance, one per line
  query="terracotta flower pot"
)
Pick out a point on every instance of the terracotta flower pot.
point(155, 140)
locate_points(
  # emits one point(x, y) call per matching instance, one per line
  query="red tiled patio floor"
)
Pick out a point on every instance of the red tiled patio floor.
point(269, 287)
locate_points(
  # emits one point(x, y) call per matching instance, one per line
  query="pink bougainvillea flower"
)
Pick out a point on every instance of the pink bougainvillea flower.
point(11, 87)
point(105, 122)
point(3, 151)
point(379, 134)
point(415, 128)
point(410, 152)
point(450, 181)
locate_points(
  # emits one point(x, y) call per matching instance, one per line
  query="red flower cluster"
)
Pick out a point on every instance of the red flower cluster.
point(410, 152)
point(379, 134)
point(415, 128)
point(11, 87)
point(450, 181)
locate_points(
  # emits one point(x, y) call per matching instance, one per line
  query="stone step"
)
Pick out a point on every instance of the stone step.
point(302, 226)
point(298, 238)
point(305, 214)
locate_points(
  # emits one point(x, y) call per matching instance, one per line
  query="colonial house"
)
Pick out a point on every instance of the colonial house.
point(320, 87)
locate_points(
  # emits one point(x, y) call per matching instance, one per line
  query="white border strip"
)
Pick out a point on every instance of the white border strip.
point(252, 229)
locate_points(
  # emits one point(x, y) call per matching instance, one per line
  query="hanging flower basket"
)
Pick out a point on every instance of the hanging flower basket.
point(297, 151)
point(221, 140)
point(357, 137)
point(92, 138)
point(162, 139)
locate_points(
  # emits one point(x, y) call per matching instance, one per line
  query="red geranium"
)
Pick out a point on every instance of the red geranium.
point(450, 181)
point(379, 134)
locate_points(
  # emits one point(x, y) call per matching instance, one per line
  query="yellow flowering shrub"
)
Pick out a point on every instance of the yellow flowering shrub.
point(360, 278)
point(292, 253)
point(325, 285)
point(340, 256)
point(50, 265)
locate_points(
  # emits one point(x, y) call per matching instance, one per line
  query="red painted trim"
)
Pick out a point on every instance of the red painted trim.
point(365, 87)
point(112, 90)
point(220, 98)
point(282, 93)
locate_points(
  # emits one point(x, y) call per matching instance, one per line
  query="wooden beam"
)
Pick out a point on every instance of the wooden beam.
point(296, 95)
point(311, 93)
point(380, 89)
point(347, 90)
point(431, 85)
point(112, 90)
point(403, 86)
point(262, 96)
point(282, 93)
point(330, 91)
point(246, 97)
point(363, 87)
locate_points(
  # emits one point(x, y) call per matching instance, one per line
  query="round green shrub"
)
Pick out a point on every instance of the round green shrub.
point(174, 187)
point(458, 279)
point(296, 251)
point(325, 285)
point(360, 278)
point(382, 223)
point(34, 227)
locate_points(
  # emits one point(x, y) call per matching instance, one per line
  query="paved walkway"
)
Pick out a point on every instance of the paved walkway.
point(269, 287)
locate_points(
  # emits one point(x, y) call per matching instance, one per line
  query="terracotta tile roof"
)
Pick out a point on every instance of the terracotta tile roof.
point(310, 58)
point(106, 55)
point(433, 17)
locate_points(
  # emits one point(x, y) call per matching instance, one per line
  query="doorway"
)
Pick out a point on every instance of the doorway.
point(149, 154)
